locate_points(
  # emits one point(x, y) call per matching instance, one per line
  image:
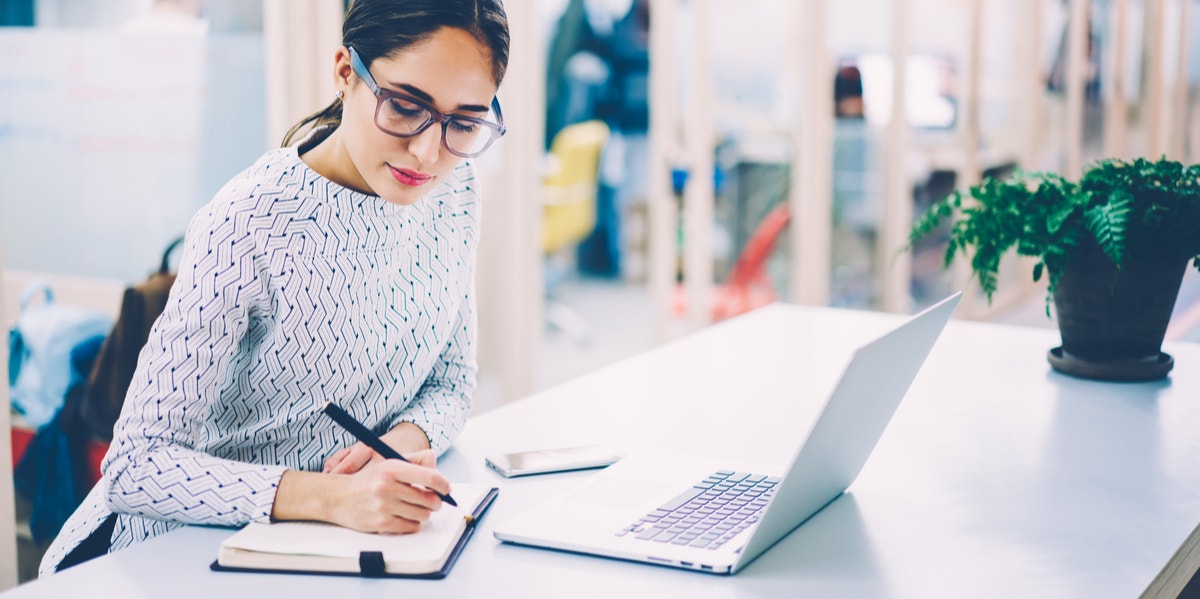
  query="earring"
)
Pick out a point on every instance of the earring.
point(338, 95)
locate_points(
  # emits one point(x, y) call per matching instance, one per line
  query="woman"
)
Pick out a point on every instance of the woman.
point(339, 269)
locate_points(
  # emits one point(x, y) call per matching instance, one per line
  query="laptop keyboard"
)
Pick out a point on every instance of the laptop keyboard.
point(710, 513)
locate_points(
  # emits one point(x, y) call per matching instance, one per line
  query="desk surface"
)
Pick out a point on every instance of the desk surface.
point(996, 478)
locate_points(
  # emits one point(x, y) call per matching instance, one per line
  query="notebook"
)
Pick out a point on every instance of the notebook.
point(716, 516)
point(318, 547)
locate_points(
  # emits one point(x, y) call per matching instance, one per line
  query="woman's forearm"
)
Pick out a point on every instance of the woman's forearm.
point(304, 496)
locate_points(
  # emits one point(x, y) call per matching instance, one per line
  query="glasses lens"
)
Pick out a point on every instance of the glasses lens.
point(402, 117)
point(468, 137)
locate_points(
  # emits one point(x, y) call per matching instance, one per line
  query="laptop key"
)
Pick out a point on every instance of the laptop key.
point(650, 533)
point(681, 499)
point(665, 536)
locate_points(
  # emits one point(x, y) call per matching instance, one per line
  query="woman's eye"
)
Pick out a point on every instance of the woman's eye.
point(464, 126)
point(404, 108)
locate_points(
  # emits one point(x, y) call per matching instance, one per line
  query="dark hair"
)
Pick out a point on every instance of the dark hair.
point(847, 83)
point(380, 28)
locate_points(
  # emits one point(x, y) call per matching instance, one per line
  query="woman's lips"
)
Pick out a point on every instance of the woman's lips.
point(409, 177)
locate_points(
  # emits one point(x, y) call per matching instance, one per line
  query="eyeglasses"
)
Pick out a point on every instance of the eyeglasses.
point(402, 115)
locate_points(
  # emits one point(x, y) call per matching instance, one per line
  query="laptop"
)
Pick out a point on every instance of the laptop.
point(699, 513)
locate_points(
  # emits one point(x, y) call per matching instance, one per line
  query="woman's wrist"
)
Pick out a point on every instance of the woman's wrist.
point(304, 496)
point(407, 437)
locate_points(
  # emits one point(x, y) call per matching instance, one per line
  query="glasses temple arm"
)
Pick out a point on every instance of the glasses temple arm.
point(499, 114)
point(361, 70)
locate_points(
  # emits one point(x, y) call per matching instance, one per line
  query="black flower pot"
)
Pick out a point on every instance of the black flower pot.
point(1113, 321)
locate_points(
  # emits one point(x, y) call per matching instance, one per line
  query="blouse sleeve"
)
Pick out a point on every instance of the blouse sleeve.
point(443, 402)
point(153, 466)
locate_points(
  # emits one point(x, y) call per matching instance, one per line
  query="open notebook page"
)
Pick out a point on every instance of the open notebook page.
point(320, 546)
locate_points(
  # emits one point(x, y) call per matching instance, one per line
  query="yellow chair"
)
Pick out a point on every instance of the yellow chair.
point(569, 209)
point(569, 213)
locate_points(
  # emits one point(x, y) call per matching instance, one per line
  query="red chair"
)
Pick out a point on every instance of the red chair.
point(748, 285)
point(21, 437)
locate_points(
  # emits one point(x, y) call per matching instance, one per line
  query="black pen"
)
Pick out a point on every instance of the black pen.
point(370, 439)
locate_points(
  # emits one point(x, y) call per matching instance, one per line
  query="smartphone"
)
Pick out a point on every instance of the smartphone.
point(544, 461)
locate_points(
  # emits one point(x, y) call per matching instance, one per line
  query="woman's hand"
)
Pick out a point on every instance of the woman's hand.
point(384, 496)
point(390, 496)
point(406, 437)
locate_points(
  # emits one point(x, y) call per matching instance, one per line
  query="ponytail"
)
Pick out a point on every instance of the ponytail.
point(323, 123)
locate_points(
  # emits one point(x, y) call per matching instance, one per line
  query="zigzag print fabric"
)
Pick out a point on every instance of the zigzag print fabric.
point(292, 291)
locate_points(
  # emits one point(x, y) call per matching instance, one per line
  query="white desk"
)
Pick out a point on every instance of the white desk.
point(997, 477)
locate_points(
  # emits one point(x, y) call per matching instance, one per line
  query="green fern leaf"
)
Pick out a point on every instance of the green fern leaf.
point(1059, 215)
point(1107, 223)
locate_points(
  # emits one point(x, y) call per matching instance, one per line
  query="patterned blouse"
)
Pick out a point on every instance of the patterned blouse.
point(292, 291)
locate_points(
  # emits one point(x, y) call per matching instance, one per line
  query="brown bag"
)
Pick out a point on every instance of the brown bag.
point(113, 370)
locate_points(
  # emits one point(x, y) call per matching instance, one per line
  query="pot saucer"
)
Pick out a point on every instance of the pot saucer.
point(1117, 370)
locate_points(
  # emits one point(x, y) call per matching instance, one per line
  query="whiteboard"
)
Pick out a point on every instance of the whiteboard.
point(110, 141)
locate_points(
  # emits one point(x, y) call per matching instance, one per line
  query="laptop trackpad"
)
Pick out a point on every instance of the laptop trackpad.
point(617, 493)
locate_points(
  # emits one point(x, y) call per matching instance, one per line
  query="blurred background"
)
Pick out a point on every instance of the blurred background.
point(669, 163)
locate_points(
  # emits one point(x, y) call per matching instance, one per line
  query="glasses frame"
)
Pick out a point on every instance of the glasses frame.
point(435, 116)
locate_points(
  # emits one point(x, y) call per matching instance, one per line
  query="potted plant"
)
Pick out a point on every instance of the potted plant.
point(1114, 246)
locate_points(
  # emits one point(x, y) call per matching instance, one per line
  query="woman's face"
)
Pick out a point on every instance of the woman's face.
point(451, 71)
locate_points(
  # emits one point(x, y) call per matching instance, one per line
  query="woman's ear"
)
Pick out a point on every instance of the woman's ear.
point(343, 71)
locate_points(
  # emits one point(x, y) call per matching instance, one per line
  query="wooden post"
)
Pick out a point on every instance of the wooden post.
point(1153, 102)
point(1194, 133)
point(8, 516)
point(895, 272)
point(1075, 81)
point(1116, 109)
point(663, 214)
point(810, 199)
point(698, 195)
point(1179, 99)
point(970, 172)
point(517, 204)
point(300, 37)
point(1029, 101)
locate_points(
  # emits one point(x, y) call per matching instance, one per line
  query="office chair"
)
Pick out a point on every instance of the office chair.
point(749, 285)
point(569, 212)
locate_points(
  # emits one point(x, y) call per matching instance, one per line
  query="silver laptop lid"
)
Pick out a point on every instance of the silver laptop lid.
point(850, 425)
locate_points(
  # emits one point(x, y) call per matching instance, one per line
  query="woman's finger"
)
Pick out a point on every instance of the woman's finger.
point(334, 459)
point(354, 460)
point(425, 458)
point(414, 474)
